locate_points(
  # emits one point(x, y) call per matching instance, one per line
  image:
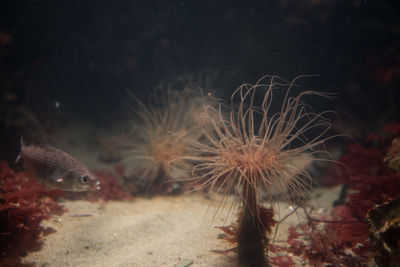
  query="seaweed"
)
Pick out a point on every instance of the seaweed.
point(23, 205)
point(109, 189)
point(336, 238)
point(342, 238)
point(230, 234)
point(282, 261)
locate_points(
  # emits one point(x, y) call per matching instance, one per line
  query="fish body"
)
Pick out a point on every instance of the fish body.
point(57, 169)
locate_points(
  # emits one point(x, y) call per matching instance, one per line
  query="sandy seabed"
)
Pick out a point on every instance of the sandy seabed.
point(162, 231)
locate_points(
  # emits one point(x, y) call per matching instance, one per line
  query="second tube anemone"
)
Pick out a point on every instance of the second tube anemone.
point(258, 151)
point(151, 145)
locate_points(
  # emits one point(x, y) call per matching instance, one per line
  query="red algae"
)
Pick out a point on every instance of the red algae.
point(393, 128)
point(372, 190)
point(282, 261)
point(229, 233)
point(337, 239)
point(120, 169)
point(266, 222)
point(342, 237)
point(25, 202)
point(109, 189)
point(23, 205)
point(358, 160)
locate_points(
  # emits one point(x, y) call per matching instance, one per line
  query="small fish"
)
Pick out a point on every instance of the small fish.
point(57, 169)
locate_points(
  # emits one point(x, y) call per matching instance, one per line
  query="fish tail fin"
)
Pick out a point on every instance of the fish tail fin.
point(22, 147)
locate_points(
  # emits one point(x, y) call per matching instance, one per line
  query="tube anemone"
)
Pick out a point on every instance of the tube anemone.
point(257, 150)
point(152, 145)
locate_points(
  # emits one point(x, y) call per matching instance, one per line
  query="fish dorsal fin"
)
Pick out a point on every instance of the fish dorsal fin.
point(37, 143)
point(22, 147)
point(18, 159)
point(46, 147)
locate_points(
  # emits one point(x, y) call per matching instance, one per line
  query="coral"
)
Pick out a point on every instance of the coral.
point(255, 150)
point(23, 205)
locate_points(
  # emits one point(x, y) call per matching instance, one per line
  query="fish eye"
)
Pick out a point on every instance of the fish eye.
point(84, 179)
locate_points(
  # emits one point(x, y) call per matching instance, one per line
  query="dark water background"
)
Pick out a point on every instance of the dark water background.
point(86, 54)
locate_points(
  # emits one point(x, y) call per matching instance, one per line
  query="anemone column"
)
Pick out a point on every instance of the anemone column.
point(251, 232)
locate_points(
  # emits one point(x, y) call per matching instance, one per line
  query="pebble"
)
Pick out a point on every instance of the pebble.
point(184, 263)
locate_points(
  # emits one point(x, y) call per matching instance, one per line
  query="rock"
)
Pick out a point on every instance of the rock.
point(384, 224)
